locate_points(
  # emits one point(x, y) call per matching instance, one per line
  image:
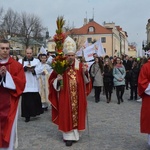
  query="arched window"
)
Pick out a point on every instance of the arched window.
point(91, 29)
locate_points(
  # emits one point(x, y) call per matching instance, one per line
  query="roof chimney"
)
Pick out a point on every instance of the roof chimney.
point(85, 21)
point(90, 20)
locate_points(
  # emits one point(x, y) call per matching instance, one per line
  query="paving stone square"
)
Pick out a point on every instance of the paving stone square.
point(109, 127)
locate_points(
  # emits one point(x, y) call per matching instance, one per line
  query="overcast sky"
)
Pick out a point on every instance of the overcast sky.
point(131, 15)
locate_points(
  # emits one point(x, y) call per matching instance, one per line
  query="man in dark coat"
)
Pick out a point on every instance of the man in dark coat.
point(128, 65)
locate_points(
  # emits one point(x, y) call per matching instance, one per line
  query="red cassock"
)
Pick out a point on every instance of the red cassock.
point(9, 100)
point(61, 104)
point(143, 82)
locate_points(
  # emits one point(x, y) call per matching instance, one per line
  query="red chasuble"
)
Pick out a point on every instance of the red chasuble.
point(69, 105)
point(9, 100)
point(143, 82)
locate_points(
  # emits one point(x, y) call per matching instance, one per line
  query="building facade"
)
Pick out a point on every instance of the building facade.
point(113, 38)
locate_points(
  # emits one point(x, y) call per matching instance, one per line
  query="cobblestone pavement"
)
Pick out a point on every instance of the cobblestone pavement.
point(109, 127)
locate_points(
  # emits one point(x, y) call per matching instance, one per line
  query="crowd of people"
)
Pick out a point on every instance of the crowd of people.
point(38, 85)
point(119, 73)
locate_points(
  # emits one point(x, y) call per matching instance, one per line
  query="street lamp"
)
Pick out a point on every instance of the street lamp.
point(143, 45)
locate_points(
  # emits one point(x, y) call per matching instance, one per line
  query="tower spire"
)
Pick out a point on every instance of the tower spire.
point(86, 14)
point(93, 13)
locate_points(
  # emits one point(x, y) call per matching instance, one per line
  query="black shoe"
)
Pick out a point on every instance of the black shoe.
point(130, 99)
point(97, 100)
point(46, 109)
point(118, 103)
point(68, 143)
point(135, 98)
point(27, 119)
point(121, 100)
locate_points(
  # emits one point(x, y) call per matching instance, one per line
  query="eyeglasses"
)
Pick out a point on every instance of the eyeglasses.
point(2, 48)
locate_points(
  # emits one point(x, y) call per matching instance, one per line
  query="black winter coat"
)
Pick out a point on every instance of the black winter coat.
point(108, 75)
point(134, 74)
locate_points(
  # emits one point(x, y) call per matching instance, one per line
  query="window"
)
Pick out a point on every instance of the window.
point(89, 40)
point(91, 29)
point(103, 39)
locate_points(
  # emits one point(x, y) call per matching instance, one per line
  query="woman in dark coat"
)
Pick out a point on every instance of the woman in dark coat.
point(108, 78)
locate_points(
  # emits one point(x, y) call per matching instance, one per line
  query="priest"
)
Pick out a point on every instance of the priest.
point(69, 104)
point(12, 83)
point(144, 93)
point(31, 105)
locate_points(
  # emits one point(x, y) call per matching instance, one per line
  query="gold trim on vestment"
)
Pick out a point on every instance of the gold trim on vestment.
point(73, 95)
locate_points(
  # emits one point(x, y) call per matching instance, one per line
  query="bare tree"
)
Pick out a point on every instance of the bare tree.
point(1, 20)
point(31, 28)
point(10, 23)
point(1, 14)
point(27, 27)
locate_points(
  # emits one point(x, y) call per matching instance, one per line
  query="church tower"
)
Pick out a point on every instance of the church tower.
point(148, 31)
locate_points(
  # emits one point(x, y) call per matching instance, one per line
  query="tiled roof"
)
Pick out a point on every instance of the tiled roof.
point(118, 28)
point(85, 29)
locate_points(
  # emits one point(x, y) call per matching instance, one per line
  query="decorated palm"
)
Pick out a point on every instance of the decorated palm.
point(59, 63)
point(59, 37)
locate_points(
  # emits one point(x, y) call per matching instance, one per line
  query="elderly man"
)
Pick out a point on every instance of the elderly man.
point(12, 83)
point(69, 103)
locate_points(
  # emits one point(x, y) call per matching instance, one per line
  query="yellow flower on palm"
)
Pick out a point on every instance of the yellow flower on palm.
point(63, 63)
